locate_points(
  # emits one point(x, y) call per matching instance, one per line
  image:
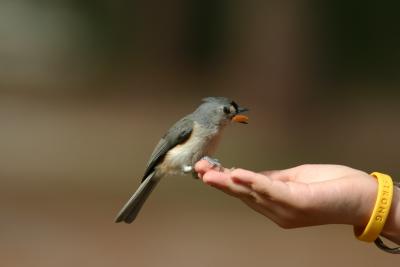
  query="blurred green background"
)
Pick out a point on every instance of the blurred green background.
point(88, 87)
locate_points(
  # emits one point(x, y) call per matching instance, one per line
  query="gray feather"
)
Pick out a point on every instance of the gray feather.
point(131, 209)
point(176, 135)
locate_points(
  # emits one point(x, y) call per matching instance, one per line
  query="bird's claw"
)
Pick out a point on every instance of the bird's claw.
point(213, 162)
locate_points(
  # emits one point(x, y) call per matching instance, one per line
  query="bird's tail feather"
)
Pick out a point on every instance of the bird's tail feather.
point(131, 209)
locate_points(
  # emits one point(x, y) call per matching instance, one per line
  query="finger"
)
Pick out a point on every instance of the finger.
point(213, 177)
point(244, 177)
point(281, 175)
point(253, 180)
point(202, 167)
point(223, 181)
point(267, 187)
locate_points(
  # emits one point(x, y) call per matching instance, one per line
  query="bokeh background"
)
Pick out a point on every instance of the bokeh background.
point(88, 87)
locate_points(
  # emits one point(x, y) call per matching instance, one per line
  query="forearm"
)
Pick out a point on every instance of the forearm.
point(392, 227)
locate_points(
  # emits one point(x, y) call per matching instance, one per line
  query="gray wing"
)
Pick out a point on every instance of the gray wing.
point(177, 134)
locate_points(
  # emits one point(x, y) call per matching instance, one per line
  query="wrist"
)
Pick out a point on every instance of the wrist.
point(368, 189)
point(384, 217)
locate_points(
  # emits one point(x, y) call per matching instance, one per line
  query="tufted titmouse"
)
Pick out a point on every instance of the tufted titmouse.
point(193, 137)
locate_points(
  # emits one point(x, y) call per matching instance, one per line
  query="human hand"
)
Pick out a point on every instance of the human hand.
point(301, 196)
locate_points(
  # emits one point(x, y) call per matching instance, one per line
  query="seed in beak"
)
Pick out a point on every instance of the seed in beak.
point(240, 119)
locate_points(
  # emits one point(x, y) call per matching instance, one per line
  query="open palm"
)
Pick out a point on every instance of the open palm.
point(300, 196)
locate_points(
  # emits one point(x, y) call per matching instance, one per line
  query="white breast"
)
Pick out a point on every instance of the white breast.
point(202, 142)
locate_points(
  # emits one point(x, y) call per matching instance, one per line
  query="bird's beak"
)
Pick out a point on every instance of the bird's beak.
point(241, 110)
point(241, 118)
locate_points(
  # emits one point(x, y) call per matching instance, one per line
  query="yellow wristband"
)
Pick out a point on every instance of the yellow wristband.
point(380, 211)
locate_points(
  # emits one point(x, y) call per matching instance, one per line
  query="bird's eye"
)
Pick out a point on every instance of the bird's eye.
point(226, 110)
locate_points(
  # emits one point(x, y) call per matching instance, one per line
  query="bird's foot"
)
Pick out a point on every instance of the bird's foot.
point(214, 162)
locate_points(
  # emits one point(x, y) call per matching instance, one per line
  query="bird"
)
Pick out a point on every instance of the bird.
point(190, 139)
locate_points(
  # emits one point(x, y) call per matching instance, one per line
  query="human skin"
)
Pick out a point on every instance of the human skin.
point(306, 195)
